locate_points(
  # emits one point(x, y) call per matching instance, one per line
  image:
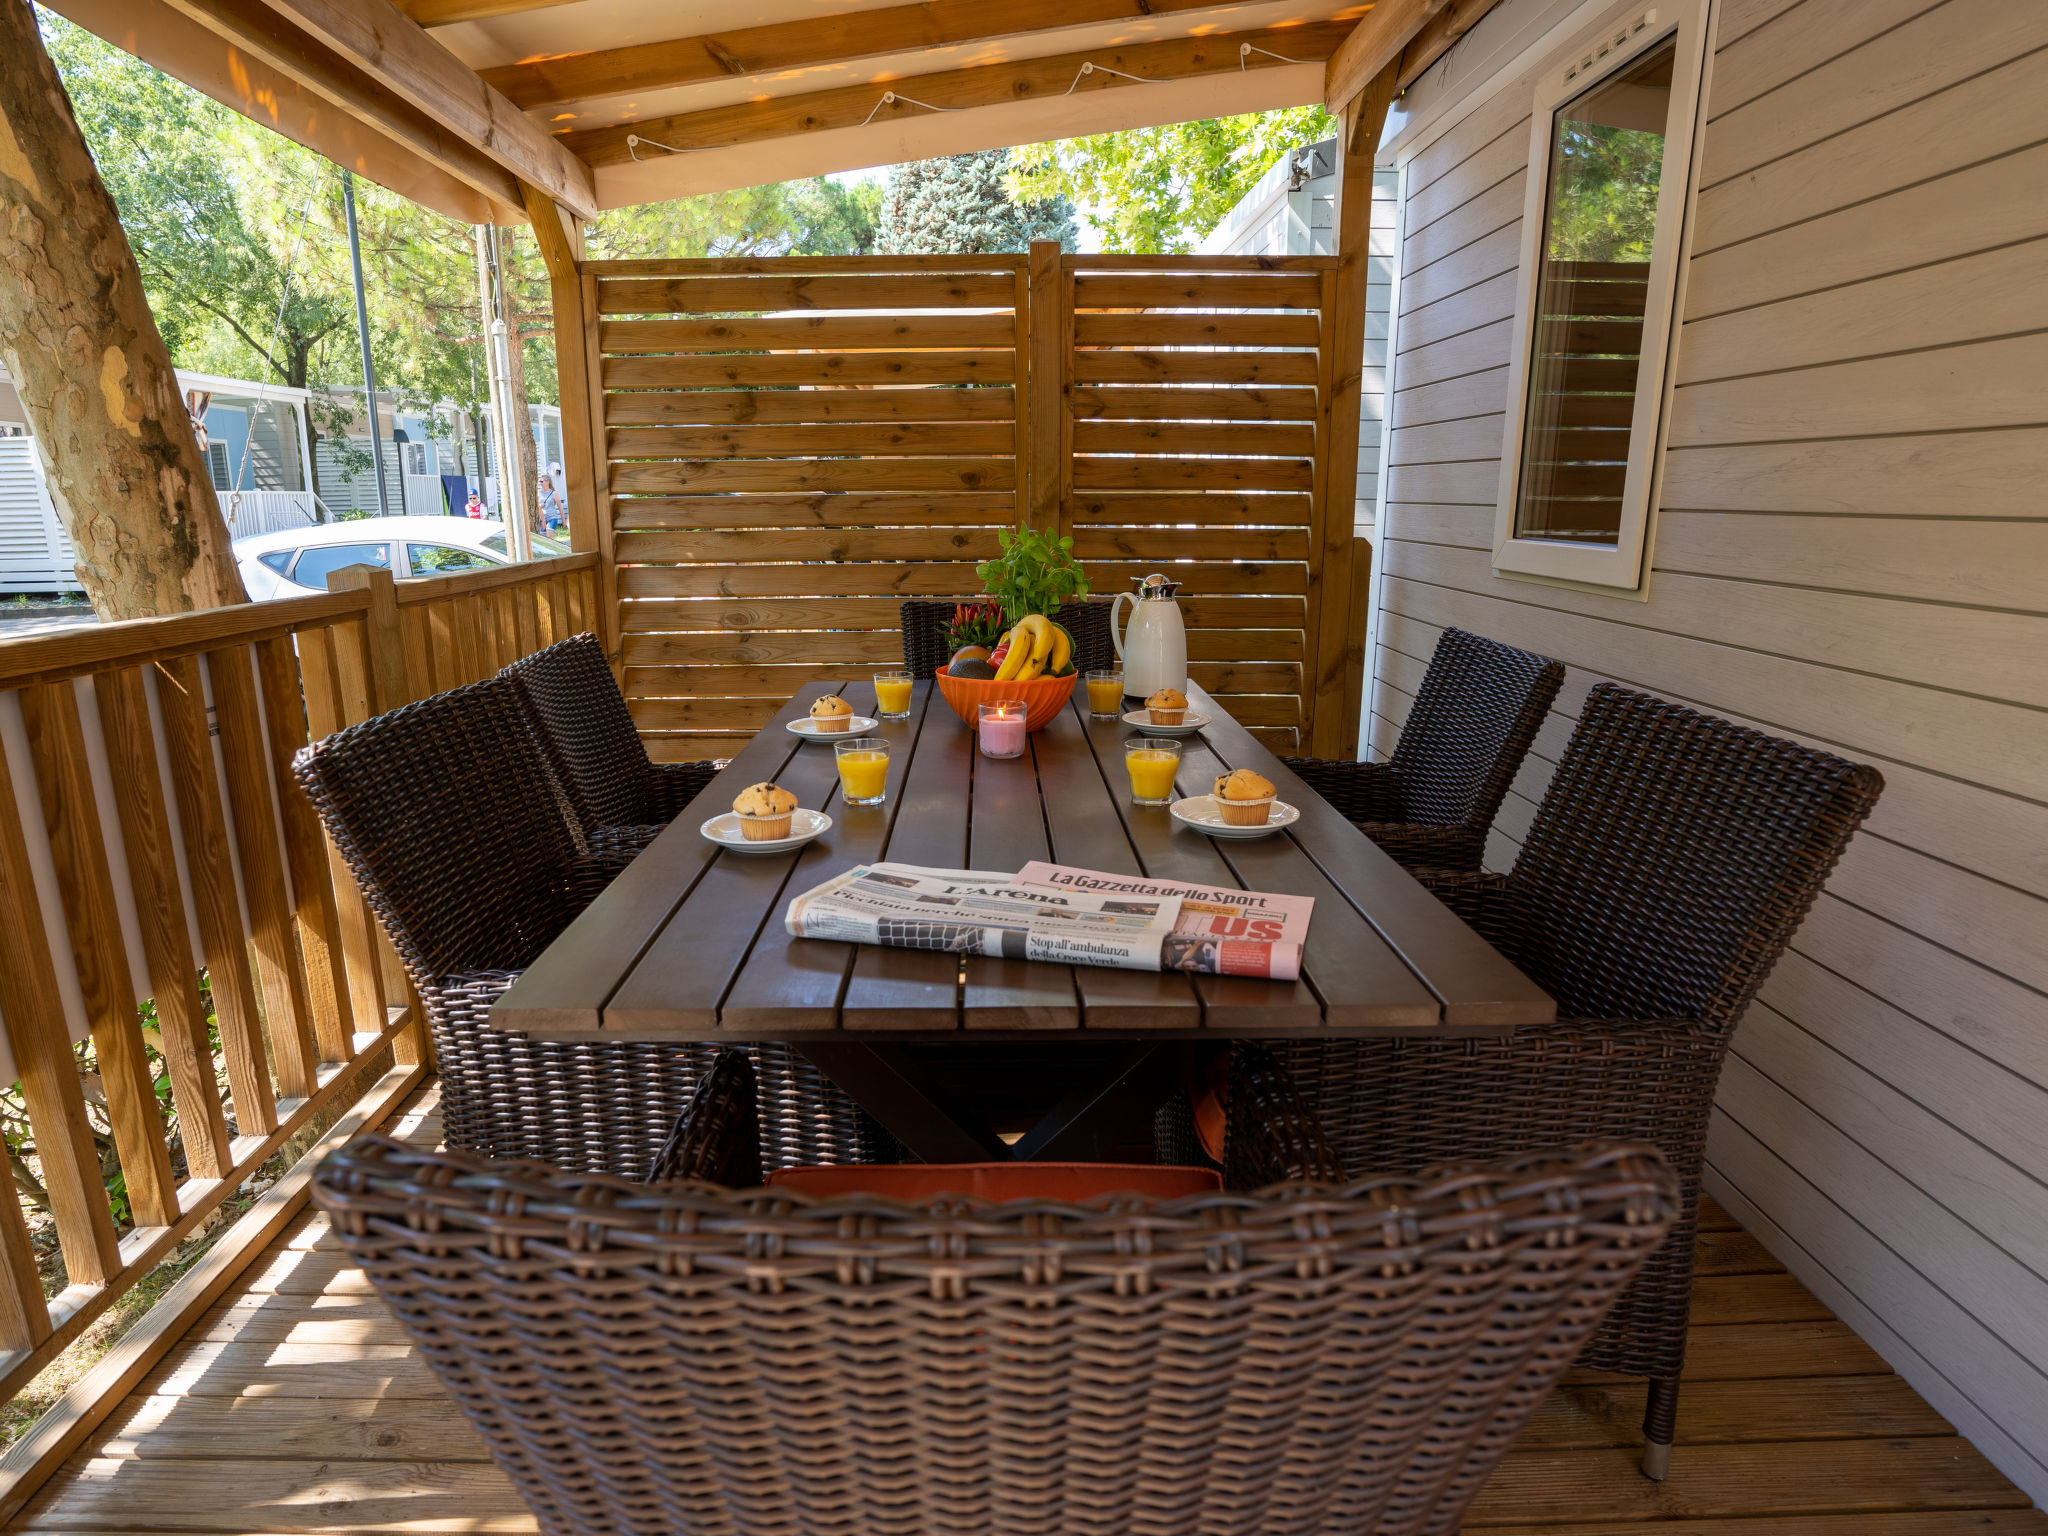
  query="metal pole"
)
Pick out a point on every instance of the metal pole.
point(355, 257)
point(505, 422)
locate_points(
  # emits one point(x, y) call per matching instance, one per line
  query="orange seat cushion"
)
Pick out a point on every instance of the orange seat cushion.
point(999, 1181)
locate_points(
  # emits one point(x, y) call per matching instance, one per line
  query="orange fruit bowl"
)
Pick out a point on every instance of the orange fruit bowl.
point(1043, 697)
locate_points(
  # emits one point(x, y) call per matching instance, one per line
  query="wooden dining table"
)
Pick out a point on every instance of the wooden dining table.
point(689, 943)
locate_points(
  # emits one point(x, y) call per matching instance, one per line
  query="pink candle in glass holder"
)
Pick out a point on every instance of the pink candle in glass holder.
point(1002, 728)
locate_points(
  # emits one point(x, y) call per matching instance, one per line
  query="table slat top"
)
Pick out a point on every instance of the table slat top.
point(689, 942)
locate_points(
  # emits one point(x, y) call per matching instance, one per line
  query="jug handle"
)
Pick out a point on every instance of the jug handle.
point(1116, 634)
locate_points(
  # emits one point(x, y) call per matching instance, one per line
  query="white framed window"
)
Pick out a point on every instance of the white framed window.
point(1603, 233)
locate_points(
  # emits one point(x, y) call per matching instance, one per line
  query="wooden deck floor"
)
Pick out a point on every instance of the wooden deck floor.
point(299, 1407)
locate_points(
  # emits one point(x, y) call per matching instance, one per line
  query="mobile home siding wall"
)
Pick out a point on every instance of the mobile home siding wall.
point(1851, 550)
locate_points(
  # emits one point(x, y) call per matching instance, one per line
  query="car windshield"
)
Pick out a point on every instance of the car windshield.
point(316, 564)
point(439, 559)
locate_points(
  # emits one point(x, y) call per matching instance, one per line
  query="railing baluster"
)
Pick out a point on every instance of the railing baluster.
point(24, 1315)
point(86, 885)
point(441, 643)
point(160, 911)
point(526, 614)
point(256, 840)
point(41, 1041)
point(284, 718)
point(325, 714)
point(419, 667)
point(203, 820)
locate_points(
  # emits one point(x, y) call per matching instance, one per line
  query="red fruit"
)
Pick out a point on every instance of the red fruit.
point(996, 656)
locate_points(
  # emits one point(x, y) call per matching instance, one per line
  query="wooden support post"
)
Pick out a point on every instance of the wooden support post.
point(86, 884)
point(383, 636)
point(1047, 385)
point(584, 457)
point(1364, 117)
point(1354, 640)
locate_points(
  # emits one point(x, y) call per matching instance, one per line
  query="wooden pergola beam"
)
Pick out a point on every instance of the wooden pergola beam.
point(1373, 44)
point(542, 83)
point(402, 59)
point(1438, 34)
point(373, 134)
point(1333, 680)
point(444, 13)
point(958, 89)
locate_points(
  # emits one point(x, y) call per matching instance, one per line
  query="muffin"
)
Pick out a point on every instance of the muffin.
point(832, 713)
point(1169, 706)
point(1243, 798)
point(765, 811)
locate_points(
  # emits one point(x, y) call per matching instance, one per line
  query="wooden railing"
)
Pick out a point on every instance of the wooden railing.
point(156, 851)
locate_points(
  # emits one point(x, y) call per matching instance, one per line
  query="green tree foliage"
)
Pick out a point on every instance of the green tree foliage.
point(1159, 190)
point(243, 245)
point(1604, 184)
point(817, 217)
point(961, 206)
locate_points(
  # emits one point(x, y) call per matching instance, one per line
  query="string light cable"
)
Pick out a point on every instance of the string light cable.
point(894, 98)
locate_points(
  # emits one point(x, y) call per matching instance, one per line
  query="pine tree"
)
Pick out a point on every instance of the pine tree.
point(959, 206)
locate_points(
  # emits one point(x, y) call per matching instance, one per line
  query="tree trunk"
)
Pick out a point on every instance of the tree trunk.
point(515, 371)
point(77, 334)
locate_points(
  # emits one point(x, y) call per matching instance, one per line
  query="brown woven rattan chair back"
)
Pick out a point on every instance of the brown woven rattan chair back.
point(603, 766)
point(446, 814)
point(685, 1358)
point(924, 634)
point(1672, 858)
point(1478, 709)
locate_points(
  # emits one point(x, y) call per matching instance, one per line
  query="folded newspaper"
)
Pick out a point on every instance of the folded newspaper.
point(1065, 915)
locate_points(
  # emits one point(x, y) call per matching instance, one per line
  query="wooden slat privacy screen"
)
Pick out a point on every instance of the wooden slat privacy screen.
point(793, 447)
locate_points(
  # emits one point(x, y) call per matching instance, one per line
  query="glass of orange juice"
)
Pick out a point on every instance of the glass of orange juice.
point(1105, 694)
point(892, 695)
point(1152, 762)
point(863, 769)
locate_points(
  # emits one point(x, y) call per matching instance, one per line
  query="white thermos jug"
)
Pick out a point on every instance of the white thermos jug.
point(1153, 643)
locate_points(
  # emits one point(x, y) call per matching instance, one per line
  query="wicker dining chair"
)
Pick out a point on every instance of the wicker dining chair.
point(687, 1357)
point(447, 818)
point(924, 634)
point(1667, 868)
point(617, 799)
point(1430, 805)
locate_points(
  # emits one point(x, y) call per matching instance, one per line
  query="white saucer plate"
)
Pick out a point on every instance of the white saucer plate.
point(1140, 720)
point(1201, 813)
point(726, 831)
point(807, 728)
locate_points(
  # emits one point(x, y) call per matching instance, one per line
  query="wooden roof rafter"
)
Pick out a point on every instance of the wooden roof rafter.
point(958, 90)
point(543, 83)
point(561, 96)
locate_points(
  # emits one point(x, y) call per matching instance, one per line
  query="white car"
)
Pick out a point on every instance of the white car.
point(296, 561)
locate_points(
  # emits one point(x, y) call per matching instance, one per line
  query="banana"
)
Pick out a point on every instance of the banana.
point(1062, 651)
point(1013, 664)
point(1038, 629)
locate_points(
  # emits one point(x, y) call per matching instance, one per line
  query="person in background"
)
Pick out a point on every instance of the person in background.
point(475, 508)
point(551, 515)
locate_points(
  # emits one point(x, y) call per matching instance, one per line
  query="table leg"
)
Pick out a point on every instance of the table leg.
point(1090, 1123)
point(900, 1094)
